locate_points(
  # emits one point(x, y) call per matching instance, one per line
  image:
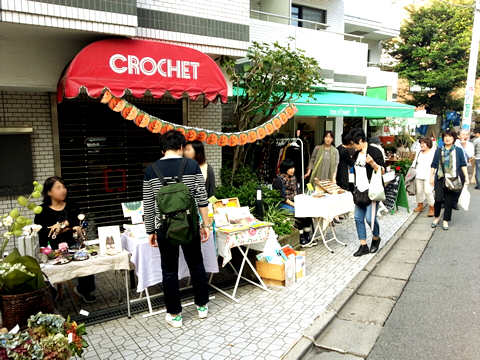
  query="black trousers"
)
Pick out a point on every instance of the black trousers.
point(443, 195)
point(169, 259)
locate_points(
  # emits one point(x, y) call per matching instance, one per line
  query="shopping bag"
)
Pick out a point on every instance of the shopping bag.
point(376, 191)
point(464, 199)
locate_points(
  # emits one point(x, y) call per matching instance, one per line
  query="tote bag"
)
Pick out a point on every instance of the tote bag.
point(376, 191)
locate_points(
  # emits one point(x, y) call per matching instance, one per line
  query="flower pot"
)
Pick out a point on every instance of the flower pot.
point(387, 140)
point(17, 309)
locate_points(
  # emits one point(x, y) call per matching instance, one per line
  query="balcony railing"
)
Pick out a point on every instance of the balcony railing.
point(318, 26)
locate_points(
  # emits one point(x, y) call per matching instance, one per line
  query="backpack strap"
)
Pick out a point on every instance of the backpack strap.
point(159, 174)
point(182, 169)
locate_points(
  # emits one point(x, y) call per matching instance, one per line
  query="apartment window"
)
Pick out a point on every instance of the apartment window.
point(307, 13)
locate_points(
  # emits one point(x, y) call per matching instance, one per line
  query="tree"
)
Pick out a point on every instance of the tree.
point(433, 52)
point(273, 75)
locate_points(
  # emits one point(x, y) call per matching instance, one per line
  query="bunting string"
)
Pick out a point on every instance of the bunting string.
point(156, 125)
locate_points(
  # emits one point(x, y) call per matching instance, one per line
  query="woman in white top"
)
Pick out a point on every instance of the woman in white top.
point(423, 165)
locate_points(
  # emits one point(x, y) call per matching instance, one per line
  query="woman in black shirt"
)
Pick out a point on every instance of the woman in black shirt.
point(196, 151)
point(59, 218)
point(345, 163)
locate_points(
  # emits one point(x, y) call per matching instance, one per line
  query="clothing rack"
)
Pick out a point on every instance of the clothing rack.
point(285, 141)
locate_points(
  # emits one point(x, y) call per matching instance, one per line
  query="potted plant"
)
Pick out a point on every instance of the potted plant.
point(23, 290)
point(48, 336)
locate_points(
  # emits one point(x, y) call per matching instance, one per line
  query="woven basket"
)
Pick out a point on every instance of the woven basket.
point(17, 309)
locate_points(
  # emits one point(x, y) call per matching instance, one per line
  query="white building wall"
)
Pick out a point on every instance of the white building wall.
point(30, 109)
point(330, 50)
point(237, 11)
point(209, 118)
point(67, 17)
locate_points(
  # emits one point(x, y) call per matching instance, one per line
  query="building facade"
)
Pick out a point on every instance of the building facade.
point(84, 142)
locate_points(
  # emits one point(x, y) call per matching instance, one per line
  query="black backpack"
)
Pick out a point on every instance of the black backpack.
point(178, 210)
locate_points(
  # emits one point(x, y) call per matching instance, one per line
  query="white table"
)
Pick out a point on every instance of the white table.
point(323, 210)
point(62, 273)
point(148, 264)
point(246, 238)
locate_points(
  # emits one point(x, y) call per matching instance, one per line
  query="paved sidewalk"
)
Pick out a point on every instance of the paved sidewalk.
point(364, 306)
point(261, 326)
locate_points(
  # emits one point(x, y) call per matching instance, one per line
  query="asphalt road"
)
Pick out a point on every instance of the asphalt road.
point(438, 314)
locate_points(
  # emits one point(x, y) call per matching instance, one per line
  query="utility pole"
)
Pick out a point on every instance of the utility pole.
point(472, 70)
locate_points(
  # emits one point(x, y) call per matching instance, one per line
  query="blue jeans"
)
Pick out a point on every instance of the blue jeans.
point(477, 174)
point(287, 207)
point(362, 212)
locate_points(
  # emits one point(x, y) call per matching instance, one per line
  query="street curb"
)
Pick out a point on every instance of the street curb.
point(303, 345)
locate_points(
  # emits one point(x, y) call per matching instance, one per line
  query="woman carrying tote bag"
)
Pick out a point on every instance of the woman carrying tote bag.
point(367, 159)
point(450, 167)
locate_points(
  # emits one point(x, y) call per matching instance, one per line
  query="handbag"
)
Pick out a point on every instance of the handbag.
point(410, 184)
point(361, 198)
point(376, 191)
point(450, 181)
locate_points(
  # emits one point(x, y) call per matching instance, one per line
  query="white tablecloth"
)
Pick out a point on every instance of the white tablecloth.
point(251, 236)
point(326, 207)
point(61, 273)
point(147, 260)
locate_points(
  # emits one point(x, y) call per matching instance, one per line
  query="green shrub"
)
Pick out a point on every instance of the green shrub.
point(281, 218)
point(243, 175)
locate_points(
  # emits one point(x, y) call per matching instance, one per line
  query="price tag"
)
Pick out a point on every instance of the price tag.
point(84, 312)
point(224, 201)
point(15, 330)
point(70, 338)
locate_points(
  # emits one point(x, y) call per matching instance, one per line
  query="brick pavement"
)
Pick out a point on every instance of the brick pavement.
point(261, 326)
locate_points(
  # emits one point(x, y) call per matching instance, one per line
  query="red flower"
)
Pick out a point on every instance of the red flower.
point(398, 168)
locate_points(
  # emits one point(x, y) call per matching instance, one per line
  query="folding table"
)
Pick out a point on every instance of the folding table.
point(244, 238)
point(323, 210)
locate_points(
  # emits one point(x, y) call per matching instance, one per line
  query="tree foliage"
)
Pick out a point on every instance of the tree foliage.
point(272, 75)
point(433, 52)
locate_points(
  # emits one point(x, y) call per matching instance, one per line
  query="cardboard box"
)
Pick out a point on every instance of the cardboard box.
point(277, 275)
point(230, 202)
point(300, 267)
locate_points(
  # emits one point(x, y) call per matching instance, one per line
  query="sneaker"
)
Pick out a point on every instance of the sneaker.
point(87, 298)
point(202, 311)
point(176, 321)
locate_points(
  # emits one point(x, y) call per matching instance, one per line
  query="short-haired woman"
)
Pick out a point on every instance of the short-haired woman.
point(286, 184)
point(367, 159)
point(196, 151)
point(448, 159)
point(59, 218)
point(423, 164)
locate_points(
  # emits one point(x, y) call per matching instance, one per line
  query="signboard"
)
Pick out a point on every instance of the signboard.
point(396, 194)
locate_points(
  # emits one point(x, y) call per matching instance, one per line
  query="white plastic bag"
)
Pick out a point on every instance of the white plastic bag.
point(376, 192)
point(464, 199)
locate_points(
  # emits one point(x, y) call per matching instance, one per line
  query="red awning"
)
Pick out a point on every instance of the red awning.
point(141, 65)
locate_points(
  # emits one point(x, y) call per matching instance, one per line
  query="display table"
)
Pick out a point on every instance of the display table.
point(58, 274)
point(323, 210)
point(227, 241)
point(148, 265)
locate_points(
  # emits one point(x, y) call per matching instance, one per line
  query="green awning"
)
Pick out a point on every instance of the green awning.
point(417, 119)
point(345, 104)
